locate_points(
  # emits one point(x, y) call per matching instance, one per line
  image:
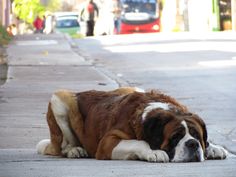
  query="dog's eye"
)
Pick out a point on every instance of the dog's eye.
point(176, 138)
point(194, 133)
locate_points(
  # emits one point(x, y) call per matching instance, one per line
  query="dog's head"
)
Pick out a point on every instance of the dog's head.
point(182, 135)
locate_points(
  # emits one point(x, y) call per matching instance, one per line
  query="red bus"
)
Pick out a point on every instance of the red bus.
point(140, 16)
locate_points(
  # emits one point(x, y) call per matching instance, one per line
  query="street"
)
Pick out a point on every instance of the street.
point(198, 70)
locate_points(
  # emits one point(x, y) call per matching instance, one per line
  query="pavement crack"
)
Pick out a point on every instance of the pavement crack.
point(37, 160)
point(120, 82)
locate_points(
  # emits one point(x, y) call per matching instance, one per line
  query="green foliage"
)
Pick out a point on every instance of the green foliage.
point(27, 10)
point(54, 5)
point(4, 36)
point(77, 36)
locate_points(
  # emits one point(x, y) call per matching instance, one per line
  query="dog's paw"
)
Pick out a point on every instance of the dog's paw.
point(215, 152)
point(158, 156)
point(74, 152)
point(77, 152)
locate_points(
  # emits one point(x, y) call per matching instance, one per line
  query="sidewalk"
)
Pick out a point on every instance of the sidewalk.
point(39, 65)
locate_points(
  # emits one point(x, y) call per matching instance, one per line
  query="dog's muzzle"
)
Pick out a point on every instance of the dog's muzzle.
point(194, 153)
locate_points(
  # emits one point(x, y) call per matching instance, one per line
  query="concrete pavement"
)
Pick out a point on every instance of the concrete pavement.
point(25, 162)
point(39, 65)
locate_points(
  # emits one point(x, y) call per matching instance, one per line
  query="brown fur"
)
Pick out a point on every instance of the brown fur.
point(55, 134)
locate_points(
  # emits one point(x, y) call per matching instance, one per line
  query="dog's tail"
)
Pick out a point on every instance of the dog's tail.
point(42, 146)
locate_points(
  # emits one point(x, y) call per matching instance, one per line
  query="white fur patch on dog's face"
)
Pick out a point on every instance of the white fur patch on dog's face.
point(152, 106)
point(188, 148)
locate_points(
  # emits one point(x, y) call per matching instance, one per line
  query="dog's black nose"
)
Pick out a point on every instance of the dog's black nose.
point(192, 144)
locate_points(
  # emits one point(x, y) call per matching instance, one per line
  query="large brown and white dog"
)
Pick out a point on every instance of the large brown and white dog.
point(125, 124)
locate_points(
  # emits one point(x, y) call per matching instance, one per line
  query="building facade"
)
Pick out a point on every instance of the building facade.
point(199, 15)
point(5, 11)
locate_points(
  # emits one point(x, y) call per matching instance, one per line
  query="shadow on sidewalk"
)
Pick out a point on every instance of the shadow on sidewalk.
point(3, 67)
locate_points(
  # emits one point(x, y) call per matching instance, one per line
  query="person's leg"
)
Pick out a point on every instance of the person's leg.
point(88, 28)
point(115, 26)
point(118, 25)
point(92, 23)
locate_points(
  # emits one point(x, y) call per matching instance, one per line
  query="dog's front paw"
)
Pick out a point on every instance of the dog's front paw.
point(158, 156)
point(215, 152)
point(77, 152)
point(74, 152)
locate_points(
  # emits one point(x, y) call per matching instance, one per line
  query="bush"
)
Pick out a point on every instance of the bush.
point(4, 36)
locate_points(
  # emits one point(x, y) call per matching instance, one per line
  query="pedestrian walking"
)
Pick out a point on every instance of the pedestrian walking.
point(90, 14)
point(38, 24)
point(44, 24)
point(116, 10)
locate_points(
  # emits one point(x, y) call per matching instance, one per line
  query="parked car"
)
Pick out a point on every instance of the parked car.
point(67, 24)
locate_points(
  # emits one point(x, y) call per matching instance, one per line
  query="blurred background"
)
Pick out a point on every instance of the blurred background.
point(136, 16)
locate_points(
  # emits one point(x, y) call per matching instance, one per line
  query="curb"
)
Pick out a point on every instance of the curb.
point(3, 65)
point(70, 41)
point(3, 56)
point(119, 81)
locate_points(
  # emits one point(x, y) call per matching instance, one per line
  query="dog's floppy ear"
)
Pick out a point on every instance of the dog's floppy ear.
point(153, 128)
point(204, 129)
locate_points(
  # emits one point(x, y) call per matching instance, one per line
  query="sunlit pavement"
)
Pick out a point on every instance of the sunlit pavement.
point(187, 66)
